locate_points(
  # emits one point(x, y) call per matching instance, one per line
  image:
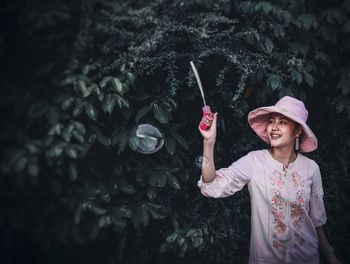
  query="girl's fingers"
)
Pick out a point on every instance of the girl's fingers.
point(215, 118)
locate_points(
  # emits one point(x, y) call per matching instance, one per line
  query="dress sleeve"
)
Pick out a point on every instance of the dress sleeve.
point(228, 180)
point(317, 209)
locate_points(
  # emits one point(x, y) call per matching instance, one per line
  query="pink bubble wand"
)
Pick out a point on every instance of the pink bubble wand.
point(206, 108)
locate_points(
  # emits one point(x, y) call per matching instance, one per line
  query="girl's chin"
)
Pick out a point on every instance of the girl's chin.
point(277, 145)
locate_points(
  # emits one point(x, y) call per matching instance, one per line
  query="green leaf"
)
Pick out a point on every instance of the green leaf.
point(104, 193)
point(86, 91)
point(296, 76)
point(158, 178)
point(97, 210)
point(122, 212)
point(126, 112)
point(266, 7)
point(173, 103)
point(299, 47)
point(180, 240)
point(123, 140)
point(268, 44)
point(32, 148)
point(104, 221)
point(116, 137)
point(105, 80)
point(103, 139)
point(334, 15)
point(108, 103)
point(250, 38)
point(307, 21)
point(79, 127)
point(133, 142)
point(153, 211)
point(126, 187)
point(173, 181)
point(180, 140)
point(117, 84)
point(274, 81)
point(144, 214)
point(90, 111)
point(160, 114)
point(153, 206)
point(172, 238)
point(122, 101)
point(77, 215)
point(131, 77)
point(119, 224)
point(279, 31)
point(57, 148)
point(245, 6)
point(38, 109)
point(151, 192)
point(344, 86)
point(153, 179)
point(33, 169)
point(78, 136)
point(170, 145)
point(309, 79)
point(67, 132)
point(79, 107)
point(193, 232)
point(72, 171)
point(86, 69)
point(284, 16)
point(72, 151)
point(52, 115)
point(142, 112)
point(67, 103)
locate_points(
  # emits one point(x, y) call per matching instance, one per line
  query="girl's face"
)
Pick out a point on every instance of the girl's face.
point(282, 131)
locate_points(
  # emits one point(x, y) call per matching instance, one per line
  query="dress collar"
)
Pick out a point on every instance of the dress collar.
point(279, 164)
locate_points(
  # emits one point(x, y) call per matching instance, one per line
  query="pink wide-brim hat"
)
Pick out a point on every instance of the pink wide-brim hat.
point(290, 107)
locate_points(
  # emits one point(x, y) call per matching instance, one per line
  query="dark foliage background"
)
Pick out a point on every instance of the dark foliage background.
point(78, 76)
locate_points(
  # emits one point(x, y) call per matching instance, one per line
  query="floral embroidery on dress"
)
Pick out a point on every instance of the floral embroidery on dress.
point(281, 232)
point(278, 179)
point(297, 180)
point(297, 214)
point(299, 239)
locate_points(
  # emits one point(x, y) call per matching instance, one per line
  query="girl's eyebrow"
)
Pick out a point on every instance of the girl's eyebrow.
point(280, 118)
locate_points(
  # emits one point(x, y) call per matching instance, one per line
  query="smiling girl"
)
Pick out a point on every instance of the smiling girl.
point(285, 187)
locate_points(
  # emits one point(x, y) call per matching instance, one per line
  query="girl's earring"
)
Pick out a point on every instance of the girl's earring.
point(297, 141)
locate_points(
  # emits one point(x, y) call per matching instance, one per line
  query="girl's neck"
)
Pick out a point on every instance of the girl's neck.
point(285, 156)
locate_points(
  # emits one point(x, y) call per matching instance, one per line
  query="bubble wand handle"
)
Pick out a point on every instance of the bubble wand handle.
point(206, 108)
point(206, 112)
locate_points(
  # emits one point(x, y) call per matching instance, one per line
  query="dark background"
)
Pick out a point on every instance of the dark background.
point(78, 76)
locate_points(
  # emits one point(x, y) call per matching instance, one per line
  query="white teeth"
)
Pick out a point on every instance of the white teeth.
point(275, 136)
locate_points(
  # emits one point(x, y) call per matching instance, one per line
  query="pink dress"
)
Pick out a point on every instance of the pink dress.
point(286, 205)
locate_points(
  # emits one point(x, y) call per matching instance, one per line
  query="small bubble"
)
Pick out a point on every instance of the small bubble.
point(150, 139)
point(201, 161)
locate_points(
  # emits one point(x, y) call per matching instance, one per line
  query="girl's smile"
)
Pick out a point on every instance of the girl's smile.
point(281, 131)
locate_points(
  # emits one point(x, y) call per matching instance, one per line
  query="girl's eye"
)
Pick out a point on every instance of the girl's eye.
point(271, 121)
point(283, 122)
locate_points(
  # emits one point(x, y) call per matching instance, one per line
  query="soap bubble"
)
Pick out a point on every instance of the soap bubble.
point(150, 139)
point(201, 161)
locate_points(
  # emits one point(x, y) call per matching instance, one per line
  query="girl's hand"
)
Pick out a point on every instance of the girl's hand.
point(209, 135)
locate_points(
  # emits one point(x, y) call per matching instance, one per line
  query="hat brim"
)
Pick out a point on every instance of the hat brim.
point(258, 120)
